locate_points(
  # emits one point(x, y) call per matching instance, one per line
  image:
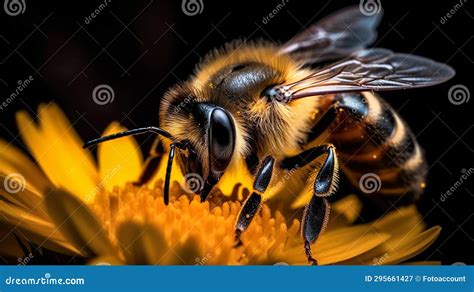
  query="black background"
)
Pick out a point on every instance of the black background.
point(140, 48)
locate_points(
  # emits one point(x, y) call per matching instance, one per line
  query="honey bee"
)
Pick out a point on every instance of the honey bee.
point(259, 110)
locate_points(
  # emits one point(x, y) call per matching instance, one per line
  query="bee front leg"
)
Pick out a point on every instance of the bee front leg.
point(316, 213)
point(253, 202)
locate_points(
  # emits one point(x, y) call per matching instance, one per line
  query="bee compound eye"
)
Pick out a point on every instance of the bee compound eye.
point(221, 139)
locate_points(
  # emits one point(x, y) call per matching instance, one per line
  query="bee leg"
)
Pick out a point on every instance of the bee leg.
point(316, 213)
point(151, 164)
point(169, 167)
point(253, 202)
point(315, 218)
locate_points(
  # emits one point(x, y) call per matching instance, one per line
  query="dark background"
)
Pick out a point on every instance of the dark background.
point(140, 48)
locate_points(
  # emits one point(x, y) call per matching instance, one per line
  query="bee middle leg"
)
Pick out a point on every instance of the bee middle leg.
point(316, 213)
point(253, 202)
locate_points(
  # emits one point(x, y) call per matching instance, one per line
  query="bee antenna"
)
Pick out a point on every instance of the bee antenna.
point(131, 132)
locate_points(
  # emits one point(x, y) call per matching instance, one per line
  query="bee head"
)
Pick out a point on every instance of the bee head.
point(207, 130)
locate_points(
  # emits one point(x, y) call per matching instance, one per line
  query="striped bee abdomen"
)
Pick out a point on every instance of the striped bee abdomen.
point(377, 151)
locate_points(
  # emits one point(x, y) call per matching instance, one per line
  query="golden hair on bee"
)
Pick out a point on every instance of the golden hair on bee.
point(268, 119)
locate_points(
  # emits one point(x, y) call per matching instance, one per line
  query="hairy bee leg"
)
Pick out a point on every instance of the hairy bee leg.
point(246, 214)
point(253, 202)
point(315, 218)
point(316, 213)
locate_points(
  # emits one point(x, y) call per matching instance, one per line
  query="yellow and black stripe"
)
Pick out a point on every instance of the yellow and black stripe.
point(370, 137)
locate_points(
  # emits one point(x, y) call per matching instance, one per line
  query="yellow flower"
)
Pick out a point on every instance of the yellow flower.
point(67, 204)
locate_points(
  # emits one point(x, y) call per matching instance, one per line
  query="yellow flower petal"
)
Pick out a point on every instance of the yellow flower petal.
point(13, 160)
point(141, 244)
point(78, 224)
point(41, 232)
point(403, 224)
point(341, 244)
point(407, 239)
point(303, 198)
point(417, 246)
point(22, 196)
point(120, 161)
point(347, 209)
point(58, 151)
point(347, 243)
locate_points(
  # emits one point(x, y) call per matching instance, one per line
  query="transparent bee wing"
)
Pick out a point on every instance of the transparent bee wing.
point(334, 37)
point(372, 69)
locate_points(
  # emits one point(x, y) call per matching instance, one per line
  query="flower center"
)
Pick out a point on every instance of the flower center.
point(207, 228)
